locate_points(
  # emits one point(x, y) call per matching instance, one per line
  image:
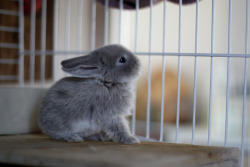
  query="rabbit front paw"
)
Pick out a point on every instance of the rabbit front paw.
point(128, 140)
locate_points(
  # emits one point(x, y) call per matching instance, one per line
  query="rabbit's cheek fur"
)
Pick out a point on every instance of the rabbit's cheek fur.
point(127, 79)
point(129, 75)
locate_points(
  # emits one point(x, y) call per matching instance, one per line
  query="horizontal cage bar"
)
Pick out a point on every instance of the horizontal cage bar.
point(9, 77)
point(8, 61)
point(9, 45)
point(8, 12)
point(9, 29)
point(58, 52)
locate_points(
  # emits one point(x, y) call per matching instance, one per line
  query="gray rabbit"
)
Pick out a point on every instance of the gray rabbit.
point(95, 102)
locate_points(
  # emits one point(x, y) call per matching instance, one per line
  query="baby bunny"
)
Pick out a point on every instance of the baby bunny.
point(95, 102)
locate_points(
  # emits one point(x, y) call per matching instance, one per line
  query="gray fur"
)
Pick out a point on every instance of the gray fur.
point(95, 102)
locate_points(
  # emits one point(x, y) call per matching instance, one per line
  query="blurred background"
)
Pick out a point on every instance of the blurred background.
point(66, 29)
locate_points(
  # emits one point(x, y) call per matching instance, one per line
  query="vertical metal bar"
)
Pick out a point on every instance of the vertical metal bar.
point(195, 69)
point(32, 41)
point(136, 30)
point(149, 73)
point(67, 27)
point(179, 76)
point(93, 24)
point(55, 36)
point(178, 101)
point(245, 88)
point(80, 6)
point(106, 22)
point(21, 44)
point(244, 113)
point(136, 24)
point(194, 98)
point(120, 31)
point(211, 77)
point(43, 41)
point(228, 72)
point(210, 103)
point(163, 72)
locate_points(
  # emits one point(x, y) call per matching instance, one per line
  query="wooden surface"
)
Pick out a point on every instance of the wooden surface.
point(39, 150)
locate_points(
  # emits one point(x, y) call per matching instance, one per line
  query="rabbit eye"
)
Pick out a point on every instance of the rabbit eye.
point(122, 60)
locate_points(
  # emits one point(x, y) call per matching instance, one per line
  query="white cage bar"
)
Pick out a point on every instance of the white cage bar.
point(32, 41)
point(195, 70)
point(55, 36)
point(120, 21)
point(179, 76)
point(149, 72)
point(211, 78)
point(163, 72)
point(10, 29)
point(106, 21)
point(135, 50)
point(21, 45)
point(67, 26)
point(80, 13)
point(245, 87)
point(43, 41)
point(228, 72)
point(93, 25)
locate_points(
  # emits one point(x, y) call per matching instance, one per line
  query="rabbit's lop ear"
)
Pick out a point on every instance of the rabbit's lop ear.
point(82, 67)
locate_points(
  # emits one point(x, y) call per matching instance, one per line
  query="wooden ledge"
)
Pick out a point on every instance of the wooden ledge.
point(39, 150)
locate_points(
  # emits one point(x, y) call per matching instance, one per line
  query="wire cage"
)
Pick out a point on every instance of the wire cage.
point(194, 86)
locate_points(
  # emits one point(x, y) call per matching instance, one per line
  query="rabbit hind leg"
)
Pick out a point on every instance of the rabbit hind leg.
point(93, 137)
point(104, 137)
point(74, 137)
point(99, 137)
